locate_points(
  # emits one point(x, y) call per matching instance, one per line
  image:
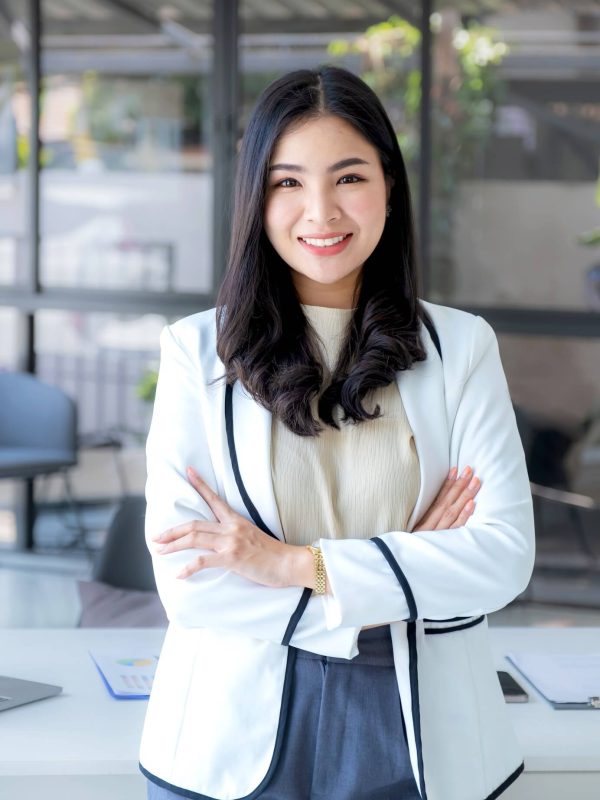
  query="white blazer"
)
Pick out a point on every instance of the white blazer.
point(217, 711)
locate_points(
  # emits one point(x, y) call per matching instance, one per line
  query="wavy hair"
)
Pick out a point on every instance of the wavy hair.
point(263, 337)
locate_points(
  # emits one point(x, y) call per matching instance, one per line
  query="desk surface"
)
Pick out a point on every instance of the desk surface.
point(552, 741)
point(85, 731)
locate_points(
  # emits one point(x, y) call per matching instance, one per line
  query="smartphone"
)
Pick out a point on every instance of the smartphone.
point(513, 692)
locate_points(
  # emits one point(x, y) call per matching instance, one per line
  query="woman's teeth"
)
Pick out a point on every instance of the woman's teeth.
point(326, 242)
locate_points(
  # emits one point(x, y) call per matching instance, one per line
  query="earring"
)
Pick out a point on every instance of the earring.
point(388, 210)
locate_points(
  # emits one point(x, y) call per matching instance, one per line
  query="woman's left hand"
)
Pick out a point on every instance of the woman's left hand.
point(234, 543)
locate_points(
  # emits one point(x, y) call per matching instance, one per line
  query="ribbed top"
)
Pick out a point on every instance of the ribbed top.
point(330, 325)
point(356, 482)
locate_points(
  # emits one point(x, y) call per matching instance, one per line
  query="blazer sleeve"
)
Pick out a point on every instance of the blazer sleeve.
point(213, 598)
point(465, 571)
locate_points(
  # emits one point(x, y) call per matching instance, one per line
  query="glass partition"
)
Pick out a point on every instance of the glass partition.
point(555, 382)
point(108, 364)
point(126, 183)
point(516, 143)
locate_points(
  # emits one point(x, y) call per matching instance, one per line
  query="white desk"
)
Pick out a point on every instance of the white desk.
point(83, 745)
point(562, 748)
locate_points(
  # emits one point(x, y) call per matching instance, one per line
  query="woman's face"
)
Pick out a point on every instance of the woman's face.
point(325, 207)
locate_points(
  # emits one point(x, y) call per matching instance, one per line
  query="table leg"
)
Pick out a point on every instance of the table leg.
point(26, 517)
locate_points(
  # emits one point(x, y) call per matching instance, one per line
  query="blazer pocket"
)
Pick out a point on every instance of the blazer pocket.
point(431, 626)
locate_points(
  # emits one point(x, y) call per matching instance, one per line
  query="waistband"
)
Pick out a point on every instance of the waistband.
point(374, 649)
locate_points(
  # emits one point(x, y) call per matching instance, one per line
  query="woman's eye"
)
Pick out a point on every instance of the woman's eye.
point(350, 179)
point(287, 183)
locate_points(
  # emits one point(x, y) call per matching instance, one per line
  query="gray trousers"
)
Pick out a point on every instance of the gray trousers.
point(345, 737)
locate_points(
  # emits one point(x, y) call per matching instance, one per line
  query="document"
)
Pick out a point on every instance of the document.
point(567, 681)
point(126, 676)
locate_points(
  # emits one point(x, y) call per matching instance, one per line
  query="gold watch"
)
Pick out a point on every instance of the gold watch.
point(319, 569)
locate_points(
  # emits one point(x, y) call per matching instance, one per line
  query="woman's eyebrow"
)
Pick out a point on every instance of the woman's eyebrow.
point(343, 164)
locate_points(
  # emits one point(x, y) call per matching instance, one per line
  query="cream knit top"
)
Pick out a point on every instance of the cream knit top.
point(353, 483)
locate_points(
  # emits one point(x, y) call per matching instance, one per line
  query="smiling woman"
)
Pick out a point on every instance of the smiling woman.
point(325, 215)
point(319, 160)
point(311, 492)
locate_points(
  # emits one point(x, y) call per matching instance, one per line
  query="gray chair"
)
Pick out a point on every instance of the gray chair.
point(38, 436)
point(123, 590)
point(124, 560)
point(560, 514)
point(567, 525)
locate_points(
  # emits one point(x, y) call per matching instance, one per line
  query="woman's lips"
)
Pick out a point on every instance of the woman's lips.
point(326, 249)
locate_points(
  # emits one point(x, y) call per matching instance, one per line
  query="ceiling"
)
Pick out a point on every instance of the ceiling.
point(257, 16)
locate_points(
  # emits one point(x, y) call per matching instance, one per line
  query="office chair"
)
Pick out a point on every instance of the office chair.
point(122, 592)
point(38, 436)
point(555, 505)
point(124, 560)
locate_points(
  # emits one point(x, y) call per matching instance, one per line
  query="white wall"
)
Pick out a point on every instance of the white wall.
point(515, 243)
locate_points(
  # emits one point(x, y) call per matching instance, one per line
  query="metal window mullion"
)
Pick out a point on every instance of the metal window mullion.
point(224, 123)
point(424, 211)
point(32, 265)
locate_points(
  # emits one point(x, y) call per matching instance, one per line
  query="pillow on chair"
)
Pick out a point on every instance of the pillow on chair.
point(105, 606)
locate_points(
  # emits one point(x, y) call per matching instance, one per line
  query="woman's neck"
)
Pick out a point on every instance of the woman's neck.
point(332, 308)
point(342, 294)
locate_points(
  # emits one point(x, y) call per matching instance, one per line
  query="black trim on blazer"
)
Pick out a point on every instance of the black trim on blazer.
point(505, 784)
point(186, 793)
point(452, 628)
point(427, 321)
point(411, 632)
point(413, 674)
point(253, 511)
point(295, 618)
point(283, 714)
point(387, 554)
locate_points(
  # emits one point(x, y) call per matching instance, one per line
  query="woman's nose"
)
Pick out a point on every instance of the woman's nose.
point(321, 207)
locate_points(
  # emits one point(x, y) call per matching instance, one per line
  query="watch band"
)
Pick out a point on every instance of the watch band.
point(319, 561)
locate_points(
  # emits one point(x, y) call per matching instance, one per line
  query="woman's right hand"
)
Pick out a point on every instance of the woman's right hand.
point(454, 503)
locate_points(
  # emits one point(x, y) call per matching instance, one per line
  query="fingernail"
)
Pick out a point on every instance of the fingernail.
point(157, 538)
point(192, 472)
point(466, 471)
point(452, 473)
point(473, 483)
point(162, 549)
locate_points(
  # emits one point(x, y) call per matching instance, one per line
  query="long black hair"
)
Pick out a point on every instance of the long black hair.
point(263, 337)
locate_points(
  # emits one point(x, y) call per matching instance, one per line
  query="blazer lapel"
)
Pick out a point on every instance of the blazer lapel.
point(252, 435)
point(422, 392)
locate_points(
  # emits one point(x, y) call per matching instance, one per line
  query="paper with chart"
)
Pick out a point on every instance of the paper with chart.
point(126, 675)
point(561, 678)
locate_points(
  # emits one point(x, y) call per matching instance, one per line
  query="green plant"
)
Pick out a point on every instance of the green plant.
point(389, 67)
point(146, 387)
point(590, 238)
point(23, 153)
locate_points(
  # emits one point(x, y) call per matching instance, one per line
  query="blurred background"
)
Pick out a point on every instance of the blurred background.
point(119, 123)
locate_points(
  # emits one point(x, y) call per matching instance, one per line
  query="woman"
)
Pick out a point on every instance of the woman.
point(309, 536)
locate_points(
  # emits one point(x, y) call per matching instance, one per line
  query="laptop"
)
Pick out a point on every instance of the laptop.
point(17, 692)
